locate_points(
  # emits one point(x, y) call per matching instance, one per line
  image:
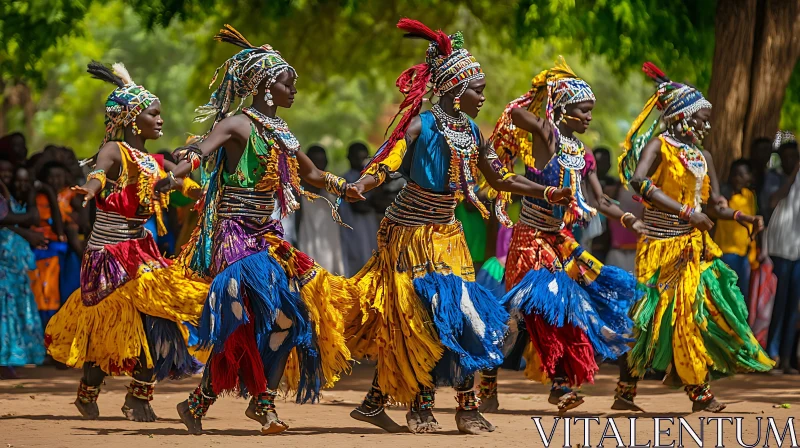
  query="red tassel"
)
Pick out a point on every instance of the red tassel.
point(654, 72)
point(240, 356)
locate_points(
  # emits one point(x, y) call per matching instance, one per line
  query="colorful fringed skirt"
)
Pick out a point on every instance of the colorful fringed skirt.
point(567, 308)
point(21, 339)
point(692, 315)
point(131, 308)
point(422, 316)
point(269, 302)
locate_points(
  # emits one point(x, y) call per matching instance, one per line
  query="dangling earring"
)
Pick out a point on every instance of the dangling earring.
point(457, 104)
point(268, 98)
point(563, 116)
point(136, 129)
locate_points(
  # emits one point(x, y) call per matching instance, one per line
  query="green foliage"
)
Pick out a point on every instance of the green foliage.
point(28, 28)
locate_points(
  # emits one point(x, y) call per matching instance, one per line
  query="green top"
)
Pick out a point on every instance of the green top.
point(250, 168)
point(474, 231)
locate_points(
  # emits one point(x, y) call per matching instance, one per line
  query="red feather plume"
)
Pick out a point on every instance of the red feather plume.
point(654, 72)
point(415, 28)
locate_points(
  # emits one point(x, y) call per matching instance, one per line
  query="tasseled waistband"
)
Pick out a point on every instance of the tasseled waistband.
point(239, 202)
point(417, 207)
point(113, 228)
point(661, 225)
point(539, 218)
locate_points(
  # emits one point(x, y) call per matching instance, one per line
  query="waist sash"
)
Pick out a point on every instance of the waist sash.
point(417, 207)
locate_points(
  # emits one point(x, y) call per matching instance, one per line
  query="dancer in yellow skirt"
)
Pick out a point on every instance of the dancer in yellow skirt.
point(422, 316)
point(692, 320)
point(271, 311)
point(127, 317)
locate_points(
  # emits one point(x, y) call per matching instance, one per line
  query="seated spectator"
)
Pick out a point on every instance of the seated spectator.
point(738, 249)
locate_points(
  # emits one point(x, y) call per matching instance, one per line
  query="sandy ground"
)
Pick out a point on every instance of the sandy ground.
point(37, 411)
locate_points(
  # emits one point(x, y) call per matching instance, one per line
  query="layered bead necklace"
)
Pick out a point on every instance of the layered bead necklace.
point(460, 138)
point(275, 126)
point(692, 158)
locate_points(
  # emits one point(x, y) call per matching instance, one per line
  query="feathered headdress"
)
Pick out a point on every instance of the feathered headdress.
point(447, 65)
point(243, 73)
point(125, 103)
point(676, 101)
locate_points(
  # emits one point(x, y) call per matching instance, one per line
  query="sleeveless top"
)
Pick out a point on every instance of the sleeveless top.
point(683, 173)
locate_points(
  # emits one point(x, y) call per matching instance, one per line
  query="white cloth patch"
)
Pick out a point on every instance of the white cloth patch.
point(468, 308)
point(213, 300)
point(553, 287)
point(283, 322)
point(435, 302)
point(233, 288)
point(276, 339)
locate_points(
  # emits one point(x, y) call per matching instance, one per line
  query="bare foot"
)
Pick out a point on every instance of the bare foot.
point(138, 410)
point(472, 422)
point(489, 405)
point(193, 424)
point(273, 424)
point(422, 421)
point(564, 400)
point(711, 405)
point(376, 417)
point(89, 411)
point(623, 404)
point(251, 413)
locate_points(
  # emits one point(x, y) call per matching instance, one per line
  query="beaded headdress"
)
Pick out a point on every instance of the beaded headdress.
point(676, 102)
point(243, 73)
point(125, 103)
point(448, 65)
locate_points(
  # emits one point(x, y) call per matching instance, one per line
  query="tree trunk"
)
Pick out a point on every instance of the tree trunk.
point(776, 51)
point(729, 91)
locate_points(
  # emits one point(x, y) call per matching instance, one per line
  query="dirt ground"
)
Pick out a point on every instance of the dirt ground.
point(37, 411)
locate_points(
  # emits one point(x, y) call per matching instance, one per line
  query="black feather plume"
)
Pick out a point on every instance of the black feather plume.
point(103, 73)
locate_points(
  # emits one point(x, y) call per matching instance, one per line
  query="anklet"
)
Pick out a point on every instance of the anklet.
point(265, 402)
point(626, 390)
point(467, 401)
point(424, 400)
point(561, 385)
point(699, 393)
point(375, 398)
point(199, 402)
point(488, 386)
point(141, 390)
point(88, 394)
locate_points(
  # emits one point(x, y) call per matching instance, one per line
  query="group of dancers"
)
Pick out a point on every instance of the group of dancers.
point(263, 316)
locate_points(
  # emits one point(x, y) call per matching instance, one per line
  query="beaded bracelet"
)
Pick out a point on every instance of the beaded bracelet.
point(193, 155)
point(98, 174)
point(686, 212)
point(622, 219)
point(334, 184)
point(548, 194)
point(647, 189)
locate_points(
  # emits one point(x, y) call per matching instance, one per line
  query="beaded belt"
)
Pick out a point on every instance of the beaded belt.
point(539, 218)
point(660, 225)
point(246, 202)
point(417, 207)
point(113, 228)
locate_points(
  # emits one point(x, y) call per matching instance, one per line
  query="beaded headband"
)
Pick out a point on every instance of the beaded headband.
point(124, 104)
point(568, 91)
point(243, 73)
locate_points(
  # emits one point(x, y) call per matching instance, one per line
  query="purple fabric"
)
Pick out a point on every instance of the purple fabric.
point(234, 240)
point(503, 242)
point(101, 274)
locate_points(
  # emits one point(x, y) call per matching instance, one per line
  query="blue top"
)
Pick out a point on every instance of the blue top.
point(427, 162)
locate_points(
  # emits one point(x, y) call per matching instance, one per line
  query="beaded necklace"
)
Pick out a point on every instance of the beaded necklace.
point(276, 126)
point(460, 138)
point(692, 158)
